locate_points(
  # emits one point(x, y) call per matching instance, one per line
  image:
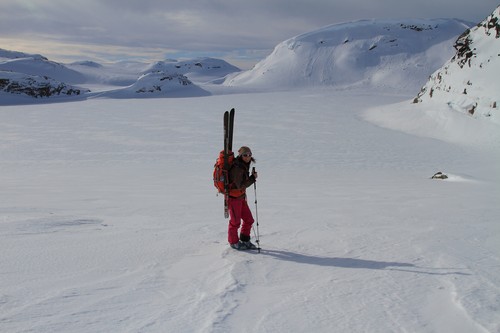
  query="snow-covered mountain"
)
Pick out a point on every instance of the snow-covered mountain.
point(171, 78)
point(396, 54)
point(469, 82)
point(158, 84)
point(8, 54)
point(385, 54)
point(38, 65)
point(198, 69)
point(33, 75)
point(36, 86)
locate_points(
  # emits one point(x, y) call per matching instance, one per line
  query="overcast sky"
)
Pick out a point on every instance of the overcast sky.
point(240, 31)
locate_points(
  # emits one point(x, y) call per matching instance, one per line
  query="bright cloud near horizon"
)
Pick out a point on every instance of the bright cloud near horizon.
point(239, 31)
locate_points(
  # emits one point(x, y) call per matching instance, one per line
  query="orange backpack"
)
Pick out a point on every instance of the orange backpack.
point(221, 175)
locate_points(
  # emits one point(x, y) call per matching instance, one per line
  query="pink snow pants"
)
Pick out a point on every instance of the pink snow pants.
point(238, 211)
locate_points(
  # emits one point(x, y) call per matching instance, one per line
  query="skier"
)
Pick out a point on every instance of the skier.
point(237, 202)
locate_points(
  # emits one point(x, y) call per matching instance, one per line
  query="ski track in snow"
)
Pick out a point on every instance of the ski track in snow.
point(109, 221)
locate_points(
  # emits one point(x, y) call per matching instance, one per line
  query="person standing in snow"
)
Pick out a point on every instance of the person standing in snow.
point(240, 179)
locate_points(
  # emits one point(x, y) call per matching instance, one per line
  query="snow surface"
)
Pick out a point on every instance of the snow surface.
point(109, 221)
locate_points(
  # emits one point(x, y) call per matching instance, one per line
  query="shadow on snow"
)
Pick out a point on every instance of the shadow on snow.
point(357, 263)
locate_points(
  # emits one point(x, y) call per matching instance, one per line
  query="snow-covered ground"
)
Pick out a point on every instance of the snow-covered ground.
point(109, 221)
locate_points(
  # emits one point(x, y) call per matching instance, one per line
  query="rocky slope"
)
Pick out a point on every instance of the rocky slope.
point(468, 82)
point(36, 86)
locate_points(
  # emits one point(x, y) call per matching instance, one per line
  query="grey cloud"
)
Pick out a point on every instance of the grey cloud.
point(206, 25)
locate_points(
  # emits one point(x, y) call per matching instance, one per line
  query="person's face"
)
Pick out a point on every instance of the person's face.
point(247, 157)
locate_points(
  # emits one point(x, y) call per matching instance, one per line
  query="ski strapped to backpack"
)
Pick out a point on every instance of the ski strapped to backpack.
point(225, 161)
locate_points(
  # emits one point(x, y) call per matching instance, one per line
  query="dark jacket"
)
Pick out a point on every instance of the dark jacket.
point(239, 178)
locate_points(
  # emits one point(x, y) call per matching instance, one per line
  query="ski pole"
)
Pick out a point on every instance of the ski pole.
point(257, 236)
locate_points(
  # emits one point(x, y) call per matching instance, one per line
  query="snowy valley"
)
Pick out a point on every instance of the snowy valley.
point(109, 220)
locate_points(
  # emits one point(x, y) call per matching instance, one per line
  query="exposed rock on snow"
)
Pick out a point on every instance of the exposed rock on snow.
point(388, 54)
point(439, 175)
point(158, 81)
point(468, 83)
point(35, 86)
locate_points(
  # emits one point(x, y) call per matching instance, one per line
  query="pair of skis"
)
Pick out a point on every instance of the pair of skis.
point(228, 150)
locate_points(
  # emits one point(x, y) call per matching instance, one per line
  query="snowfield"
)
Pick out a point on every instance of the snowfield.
point(110, 222)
